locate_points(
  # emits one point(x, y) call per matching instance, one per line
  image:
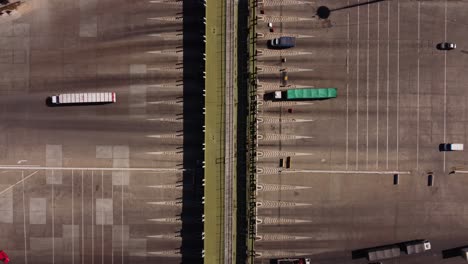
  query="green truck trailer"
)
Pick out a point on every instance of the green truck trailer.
point(305, 94)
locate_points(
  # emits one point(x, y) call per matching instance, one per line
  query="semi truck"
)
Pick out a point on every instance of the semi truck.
point(292, 261)
point(83, 98)
point(418, 246)
point(394, 250)
point(384, 252)
point(304, 94)
point(464, 253)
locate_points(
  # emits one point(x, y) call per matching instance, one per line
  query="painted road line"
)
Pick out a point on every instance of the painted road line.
point(73, 216)
point(346, 172)
point(14, 167)
point(445, 80)
point(388, 72)
point(92, 217)
point(418, 87)
point(378, 87)
point(357, 90)
point(22, 180)
point(24, 223)
point(82, 219)
point(53, 220)
point(347, 89)
point(398, 88)
point(367, 87)
point(102, 226)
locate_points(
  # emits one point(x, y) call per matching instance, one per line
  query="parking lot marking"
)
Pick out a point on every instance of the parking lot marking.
point(445, 79)
point(398, 87)
point(92, 217)
point(102, 226)
point(388, 72)
point(82, 218)
point(14, 167)
point(347, 89)
point(24, 223)
point(22, 180)
point(417, 87)
point(357, 90)
point(347, 172)
point(367, 87)
point(378, 87)
point(73, 217)
point(122, 210)
point(53, 221)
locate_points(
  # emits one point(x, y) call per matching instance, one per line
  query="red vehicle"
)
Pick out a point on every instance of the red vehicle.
point(4, 257)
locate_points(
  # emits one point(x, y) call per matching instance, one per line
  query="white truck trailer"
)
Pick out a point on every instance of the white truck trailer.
point(417, 247)
point(84, 98)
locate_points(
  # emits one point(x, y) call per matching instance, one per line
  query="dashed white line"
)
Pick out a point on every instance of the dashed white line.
point(24, 223)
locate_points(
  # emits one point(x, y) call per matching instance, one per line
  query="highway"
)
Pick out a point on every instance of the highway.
point(230, 132)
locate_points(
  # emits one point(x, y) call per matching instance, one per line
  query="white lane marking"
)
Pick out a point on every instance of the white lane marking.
point(122, 211)
point(14, 167)
point(417, 87)
point(445, 79)
point(345, 172)
point(24, 223)
point(112, 233)
point(53, 221)
point(82, 218)
point(347, 88)
point(73, 218)
point(367, 87)
point(398, 88)
point(22, 180)
point(102, 226)
point(388, 72)
point(357, 91)
point(378, 86)
point(92, 217)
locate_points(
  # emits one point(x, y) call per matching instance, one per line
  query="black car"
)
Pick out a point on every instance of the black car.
point(446, 46)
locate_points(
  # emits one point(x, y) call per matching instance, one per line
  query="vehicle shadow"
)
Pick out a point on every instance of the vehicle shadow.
point(453, 252)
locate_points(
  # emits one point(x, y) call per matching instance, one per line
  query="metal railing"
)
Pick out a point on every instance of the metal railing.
point(252, 133)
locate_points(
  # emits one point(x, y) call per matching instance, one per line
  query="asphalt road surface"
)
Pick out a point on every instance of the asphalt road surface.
point(88, 214)
point(398, 99)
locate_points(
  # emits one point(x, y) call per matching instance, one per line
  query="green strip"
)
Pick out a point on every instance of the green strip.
point(214, 133)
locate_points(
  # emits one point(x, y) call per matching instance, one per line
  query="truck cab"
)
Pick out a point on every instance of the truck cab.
point(451, 147)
